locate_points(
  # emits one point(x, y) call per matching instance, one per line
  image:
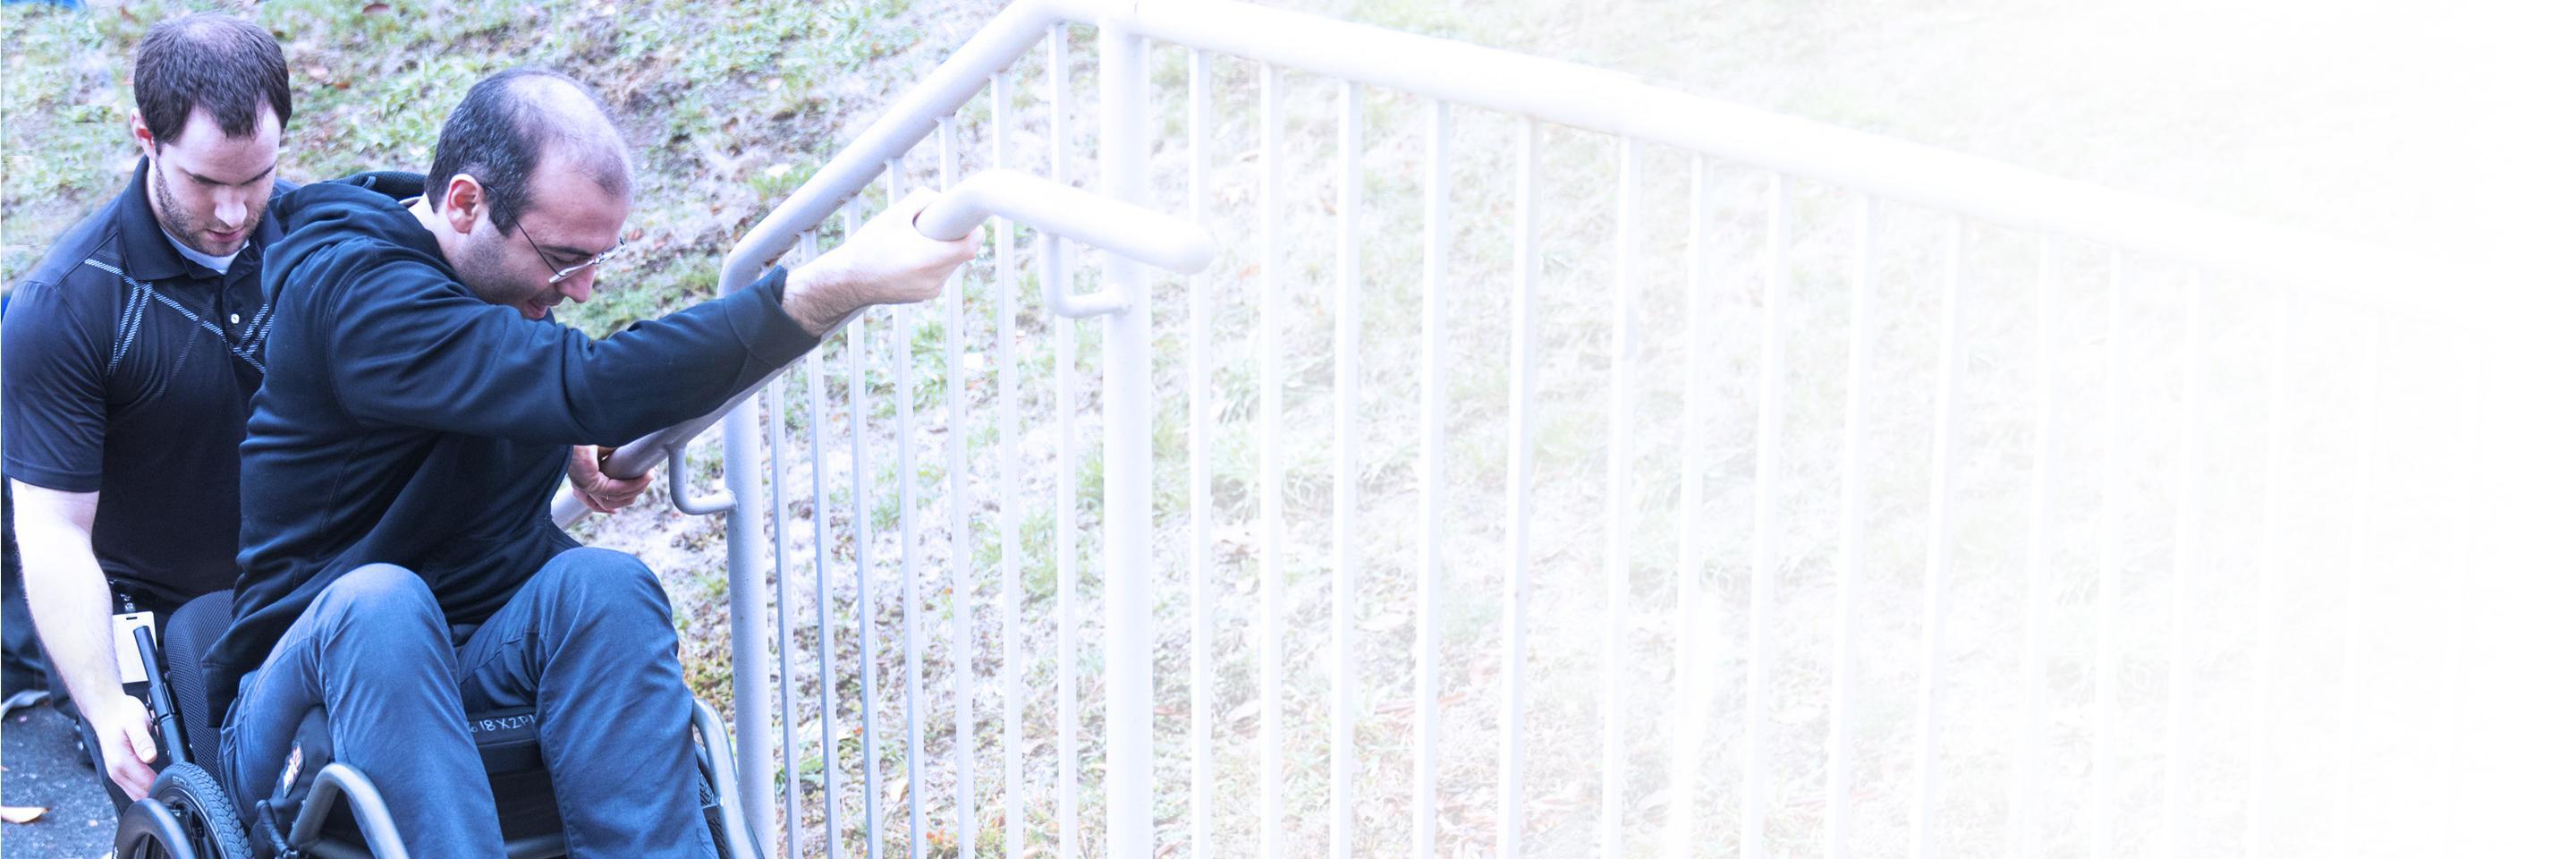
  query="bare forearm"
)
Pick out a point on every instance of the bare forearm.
point(67, 594)
point(815, 308)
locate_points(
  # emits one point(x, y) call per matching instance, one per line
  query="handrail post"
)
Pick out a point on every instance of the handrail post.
point(1127, 476)
point(753, 769)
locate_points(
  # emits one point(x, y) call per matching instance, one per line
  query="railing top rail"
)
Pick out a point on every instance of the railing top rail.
point(1611, 103)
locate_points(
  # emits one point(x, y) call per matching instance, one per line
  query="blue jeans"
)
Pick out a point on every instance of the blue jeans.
point(587, 642)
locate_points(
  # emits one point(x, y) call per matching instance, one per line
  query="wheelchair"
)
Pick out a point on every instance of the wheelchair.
point(329, 810)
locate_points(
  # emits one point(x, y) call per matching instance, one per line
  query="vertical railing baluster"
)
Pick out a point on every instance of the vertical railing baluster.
point(1274, 534)
point(2365, 471)
point(810, 248)
point(1127, 473)
point(1690, 723)
point(1346, 382)
point(2039, 582)
point(1433, 473)
point(793, 807)
point(1936, 566)
point(1068, 571)
point(1006, 352)
point(2267, 574)
point(1202, 564)
point(862, 533)
point(1838, 739)
point(2187, 560)
point(961, 552)
point(2477, 405)
point(1515, 751)
point(1615, 502)
point(1068, 563)
point(907, 474)
point(2106, 598)
point(755, 774)
point(1766, 538)
point(1938, 548)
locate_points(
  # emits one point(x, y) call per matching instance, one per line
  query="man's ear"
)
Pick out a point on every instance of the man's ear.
point(142, 133)
point(461, 203)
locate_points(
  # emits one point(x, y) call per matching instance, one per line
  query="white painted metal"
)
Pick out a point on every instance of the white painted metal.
point(1573, 95)
point(1936, 566)
point(2477, 405)
point(2106, 596)
point(1346, 394)
point(754, 771)
point(1768, 408)
point(786, 631)
point(961, 552)
point(1274, 837)
point(1622, 105)
point(864, 603)
point(1127, 504)
point(2039, 579)
point(1690, 717)
point(1006, 357)
point(815, 420)
point(1068, 560)
point(2361, 567)
point(1432, 470)
point(1616, 501)
point(1202, 518)
point(2187, 561)
point(1113, 225)
point(2267, 575)
point(1524, 355)
point(1533, 91)
point(1838, 739)
point(907, 489)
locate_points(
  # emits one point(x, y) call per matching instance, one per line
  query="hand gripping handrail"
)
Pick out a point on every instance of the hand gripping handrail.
point(1055, 211)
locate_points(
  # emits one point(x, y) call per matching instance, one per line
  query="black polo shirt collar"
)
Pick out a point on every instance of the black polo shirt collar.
point(148, 255)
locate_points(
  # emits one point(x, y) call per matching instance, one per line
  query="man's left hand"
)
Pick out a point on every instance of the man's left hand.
point(600, 492)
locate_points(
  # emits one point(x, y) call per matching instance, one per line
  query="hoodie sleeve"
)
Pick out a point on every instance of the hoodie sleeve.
point(410, 347)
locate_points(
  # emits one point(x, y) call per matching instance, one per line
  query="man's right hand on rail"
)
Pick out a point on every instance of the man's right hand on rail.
point(886, 261)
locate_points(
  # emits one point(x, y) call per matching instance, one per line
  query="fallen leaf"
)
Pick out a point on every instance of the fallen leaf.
point(376, 8)
point(20, 813)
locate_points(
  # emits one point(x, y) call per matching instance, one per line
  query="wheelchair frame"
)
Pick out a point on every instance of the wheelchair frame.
point(155, 826)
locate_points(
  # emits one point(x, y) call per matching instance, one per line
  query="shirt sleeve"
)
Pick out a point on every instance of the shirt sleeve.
point(53, 392)
point(411, 348)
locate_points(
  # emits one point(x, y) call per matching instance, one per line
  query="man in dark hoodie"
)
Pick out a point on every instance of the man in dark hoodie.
point(400, 571)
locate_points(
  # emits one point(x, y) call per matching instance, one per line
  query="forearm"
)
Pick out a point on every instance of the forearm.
point(815, 308)
point(68, 596)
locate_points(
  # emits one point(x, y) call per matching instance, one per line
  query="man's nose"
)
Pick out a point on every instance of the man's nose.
point(579, 286)
point(232, 211)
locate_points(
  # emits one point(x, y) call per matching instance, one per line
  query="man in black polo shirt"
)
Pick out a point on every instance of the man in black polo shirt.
point(132, 351)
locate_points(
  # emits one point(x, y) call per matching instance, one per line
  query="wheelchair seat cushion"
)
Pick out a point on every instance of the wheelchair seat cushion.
point(184, 639)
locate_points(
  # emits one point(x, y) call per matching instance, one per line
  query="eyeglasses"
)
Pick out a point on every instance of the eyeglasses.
point(566, 273)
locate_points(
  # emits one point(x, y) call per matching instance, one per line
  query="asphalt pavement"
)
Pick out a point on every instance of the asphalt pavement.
point(39, 767)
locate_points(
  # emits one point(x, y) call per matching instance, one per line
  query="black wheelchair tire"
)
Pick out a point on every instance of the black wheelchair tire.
point(204, 811)
point(147, 830)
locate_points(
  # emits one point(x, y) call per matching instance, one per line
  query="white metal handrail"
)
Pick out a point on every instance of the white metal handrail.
point(1053, 210)
point(1537, 90)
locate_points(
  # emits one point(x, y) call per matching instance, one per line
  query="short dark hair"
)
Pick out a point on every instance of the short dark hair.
point(223, 64)
point(502, 131)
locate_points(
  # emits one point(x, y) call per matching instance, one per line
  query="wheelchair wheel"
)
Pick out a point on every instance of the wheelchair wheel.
point(204, 812)
point(147, 830)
